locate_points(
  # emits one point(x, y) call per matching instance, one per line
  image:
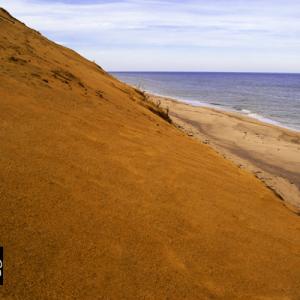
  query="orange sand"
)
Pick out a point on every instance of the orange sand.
point(102, 199)
point(272, 153)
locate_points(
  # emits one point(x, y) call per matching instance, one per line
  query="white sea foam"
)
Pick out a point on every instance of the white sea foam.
point(270, 98)
point(220, 107)
point(246, 111)
point(264, 119)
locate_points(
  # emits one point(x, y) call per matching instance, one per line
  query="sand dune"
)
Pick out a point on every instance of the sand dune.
point(100, 198)
point(272, 153)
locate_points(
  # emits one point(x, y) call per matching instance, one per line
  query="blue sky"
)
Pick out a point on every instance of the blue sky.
point(165, 35)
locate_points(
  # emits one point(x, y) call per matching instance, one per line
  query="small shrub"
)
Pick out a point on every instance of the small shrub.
point(163, 113)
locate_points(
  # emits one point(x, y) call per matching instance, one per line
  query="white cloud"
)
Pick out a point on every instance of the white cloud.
point(221, 31)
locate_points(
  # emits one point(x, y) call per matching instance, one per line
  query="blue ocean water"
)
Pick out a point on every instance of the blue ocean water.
point(273, 98)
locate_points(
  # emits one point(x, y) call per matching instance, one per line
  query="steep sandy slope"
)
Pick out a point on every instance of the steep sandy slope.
point(102, 199)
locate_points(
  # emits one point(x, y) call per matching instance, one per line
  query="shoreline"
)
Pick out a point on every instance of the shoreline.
point(221, 108)
point(269, 151)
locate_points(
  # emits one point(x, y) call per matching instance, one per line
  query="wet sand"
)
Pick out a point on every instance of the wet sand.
point(272, 153)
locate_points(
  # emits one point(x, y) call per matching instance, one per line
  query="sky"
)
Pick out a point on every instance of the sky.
point(165, 35)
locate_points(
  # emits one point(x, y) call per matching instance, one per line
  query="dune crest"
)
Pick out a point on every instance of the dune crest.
point(101, 198)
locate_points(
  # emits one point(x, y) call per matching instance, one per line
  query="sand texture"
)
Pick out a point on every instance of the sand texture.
point(100, 198)
point(272, 153)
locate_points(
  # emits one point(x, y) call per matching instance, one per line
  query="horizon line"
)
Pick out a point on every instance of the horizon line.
point(237, 72)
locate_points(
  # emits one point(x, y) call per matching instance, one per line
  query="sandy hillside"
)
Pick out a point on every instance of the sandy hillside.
point(270, 152)
point(102, 199)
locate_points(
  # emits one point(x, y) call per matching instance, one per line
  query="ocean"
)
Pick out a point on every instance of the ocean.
point(272, 98)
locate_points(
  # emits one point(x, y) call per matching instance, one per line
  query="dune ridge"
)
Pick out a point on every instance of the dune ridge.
point(101, 198)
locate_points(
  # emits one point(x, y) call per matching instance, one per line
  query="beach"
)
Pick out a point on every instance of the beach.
point(270, 152)
point(102, 197)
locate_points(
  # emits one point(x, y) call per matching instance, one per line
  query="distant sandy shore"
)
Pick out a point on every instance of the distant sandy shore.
point(97, 187)
point(270, 152)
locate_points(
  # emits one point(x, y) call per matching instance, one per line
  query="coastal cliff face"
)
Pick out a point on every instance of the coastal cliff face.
point(100, 198)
